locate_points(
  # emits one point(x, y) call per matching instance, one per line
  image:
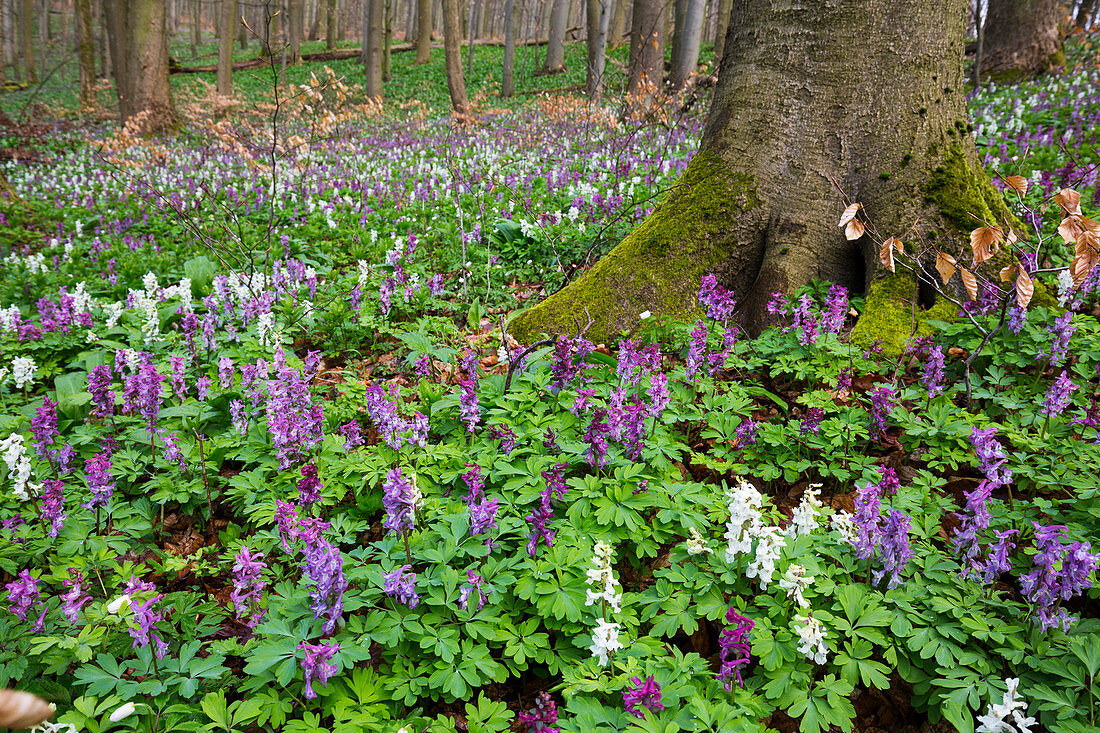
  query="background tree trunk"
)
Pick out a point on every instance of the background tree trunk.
point(684, 63)
point(598, 17)
point(26, 37)
point(722, 26)
point(471, 28)
point(452, 56)
point(1085, 14)
point(555, 47)
point(228, 25)
point(424, 24)
point(507, 81)
point(152, 93)
point(85, 46)
point(293, 25)
point(618, 20)
point(332, 16)
point(646, 58)
point(242, 35)
point(387, 38)
point(1021, 37)
point(679, 8)
point(372, 46)
point(867, 94)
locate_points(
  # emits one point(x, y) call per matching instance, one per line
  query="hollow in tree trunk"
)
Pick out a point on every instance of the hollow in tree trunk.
point(813, 99)
point(452, 56)
point(1021, 38)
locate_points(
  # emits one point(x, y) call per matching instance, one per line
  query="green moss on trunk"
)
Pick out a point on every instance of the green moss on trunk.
point(962, 192)
point(889, 314)
point(658, 266)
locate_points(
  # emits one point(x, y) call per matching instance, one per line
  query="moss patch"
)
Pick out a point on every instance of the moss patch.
point(888, 315)
point(961, 192)
point(657, 267)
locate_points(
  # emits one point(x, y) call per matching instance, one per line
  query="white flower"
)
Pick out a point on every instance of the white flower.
point(118, 604)
point(605, 640)
point(769, 547)
point(842, 524)
point(696, 545)
point(149, 282)
point(804, 520)
point(19, 465)
point(114, 312)
point(811, 638)
point(91, 337)
point(994, 720)
point(123, 711)
point(265, 327)
point(22, 370)
point(1065, 287)
point(794, 581)
point(602, 577)
point(744, 523)
point(644, 315)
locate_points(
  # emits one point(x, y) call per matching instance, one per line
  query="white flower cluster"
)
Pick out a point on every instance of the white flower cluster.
point(9, 317)
point(795, 581)
point(811, 638)
point(605, 640)
point(804, 520)
point(1012, 706)
point(265, 329)
point(744, 524)
point(22, 371)
point(769, 546)
point(696, 545)
point(842, 524)
point(603, 579)
point(19, 465)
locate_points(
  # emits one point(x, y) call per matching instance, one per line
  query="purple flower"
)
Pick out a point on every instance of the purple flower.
point(248, 587)
point(696, 350)
point(423, 366)
point(483, 516)
point(172, 452)
point(474, 483)
point(52, 505)
point(596, 437)
point(202, 387)
point(399, 500)
point(239, 417)
point(143, 393)
point(540, 718)
point(472, 585)
point(543, 513)
point(998, 561)
point(97, 472)
point(991, 457)
point(747, 432)
point(295, 421)
point(894, 549)
point(418, 430)
point(179, 379)
point(23, 594)
point(506, 436)
point(468, 407)
point(635, 361)
point(844, 380)
point(658, 395)
point(811, 421)
point(382, 410)
point(647, 694)
point(1060, 573)
point(309, 487)
point(550, 441)
point(569, 360)
point(805, 321)
point(315, 664)
point(1061, 333)
point(226, 371)
point(144, 630)
point(353, 434)
point(1058, 397)
point(99, 386)
point(932, 373)
point(74, 600)
point(735, 652)
point(323, 565)
point(882, 402)
point(717, 301)
point(836, 309)
point(44, 427)
point(401, 586)
point(868, 507)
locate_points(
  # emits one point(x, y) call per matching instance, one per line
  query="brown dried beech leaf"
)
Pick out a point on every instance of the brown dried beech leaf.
point(849, 214)
point(1008, 272)
point(886, 252)
point(970, 282)
point(1069, 200)
point(1025, 288)
point(1081, 267)
point(1070, 228)
point(1018, 183)
point(854, 230)
point(945, 265)
point(20, 710)
point(985, 241)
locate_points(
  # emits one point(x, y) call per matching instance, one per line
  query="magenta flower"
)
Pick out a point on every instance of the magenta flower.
point(248, 587)
point(646, 694)
point(23, 594)
point(74, 600)
point(316, 664)
point(309, 487)
point(401, 586)
point(735, 651)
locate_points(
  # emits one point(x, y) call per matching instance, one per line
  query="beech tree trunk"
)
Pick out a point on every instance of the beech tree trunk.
point(452, 56)
point(865, 93)
point(85, 48)
point(507, 76)
point(722, 25)
point(1021, 37)
point(293, 25)
point(372, 46)
point(597, 17)
point(331, 18)
point(618, 21)
point(26, 37)
point(387, 38)
point(228, 23)
point(646, 66)
point(424, 23)
point(555, 46)
point(687, 57)
point(1085, 14)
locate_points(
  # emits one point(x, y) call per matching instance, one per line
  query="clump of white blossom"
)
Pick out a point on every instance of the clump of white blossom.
point(602, 578)
point(23, 369)
point(795, 581)
point(696, 545)
point(811, 638)
point(605, 640)
point(14, 453)
point(1008, 717)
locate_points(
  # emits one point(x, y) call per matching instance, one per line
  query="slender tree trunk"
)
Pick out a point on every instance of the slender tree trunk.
point(471, 26)
point(410, 21)
point(618, 21)
point(294, 25)
point(507, 80)
point(1085, 14)
point(646, 56)
point(193, 12)
point(118, 35)
point(373, 12)
point(721, 28)
point(1021, 37)
point(332, 17)
point(452, 55)
point(679, 8)
point(801, 113)
point(598, 16)
point(424, 25)
point(555, 47)
point(228, 25)
point(26, 37)
point(152, 92)
point(387, 39)
point(684, 63)
point(102, 47)
point(85, 46)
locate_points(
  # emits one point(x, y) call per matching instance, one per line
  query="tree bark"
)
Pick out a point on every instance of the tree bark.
point(723, 22)
point(687, 58)
point(618, 21)
point(1021, 38)
point(555, 49)
point(152, 92)
point(26, 37)
point(507, 76)
point(331, 18)
point(646, 58)
point(679, 8)
point(424, 23)
point(387, 38)
point(803, 111)
point(471, 27)
point(85, 47)
point(372, 47)
point(452, 55)
point(598, 17)
point(228, 23)
point(293, 26)
point(1085, 14)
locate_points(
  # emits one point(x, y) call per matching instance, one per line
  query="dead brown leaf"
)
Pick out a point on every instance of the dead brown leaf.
point(985, 241)
point(1018, 184)
point(1025, 288)
point(849, 214)
point(945, 265)
point(886, 252)
point(854, 230)
point(970, 282)
point(1069, 200)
